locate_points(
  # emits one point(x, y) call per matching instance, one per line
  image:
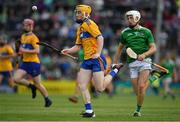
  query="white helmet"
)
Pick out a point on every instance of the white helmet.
point(136, 15)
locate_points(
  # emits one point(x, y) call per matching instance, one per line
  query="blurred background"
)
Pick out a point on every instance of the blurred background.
point(54, 24)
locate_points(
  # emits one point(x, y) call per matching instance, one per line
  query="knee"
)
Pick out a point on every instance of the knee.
point(16, 79)
point(38, 85)
point(82, 87)
point(142, 89)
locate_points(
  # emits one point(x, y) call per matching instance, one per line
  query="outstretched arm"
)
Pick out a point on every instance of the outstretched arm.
point(118, 53)
point(23, 50)
point(73, 49)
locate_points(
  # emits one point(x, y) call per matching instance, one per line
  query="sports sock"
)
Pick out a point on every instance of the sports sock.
point(114, 72)
point(138, 108)
point(88, 108)
point(46, 99)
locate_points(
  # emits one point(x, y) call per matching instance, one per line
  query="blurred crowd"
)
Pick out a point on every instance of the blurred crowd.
point(54, 24)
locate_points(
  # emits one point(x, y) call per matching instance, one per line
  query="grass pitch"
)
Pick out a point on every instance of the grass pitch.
point(20, 107)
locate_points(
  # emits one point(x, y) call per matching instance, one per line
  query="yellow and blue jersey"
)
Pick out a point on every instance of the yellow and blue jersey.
point(87, 34)
point(29, 41)
point(5, 63)
point(31, 61)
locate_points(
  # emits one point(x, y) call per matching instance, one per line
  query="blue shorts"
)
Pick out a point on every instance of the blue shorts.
point(32, 68)
point(95, 65)
point(6, 74)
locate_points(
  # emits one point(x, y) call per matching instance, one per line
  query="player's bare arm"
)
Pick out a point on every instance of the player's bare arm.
point(73, 49)
point(118, 53)
point(151, 51)
point(23, 50)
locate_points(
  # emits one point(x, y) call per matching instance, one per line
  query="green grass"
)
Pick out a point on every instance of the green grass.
point(18, 107)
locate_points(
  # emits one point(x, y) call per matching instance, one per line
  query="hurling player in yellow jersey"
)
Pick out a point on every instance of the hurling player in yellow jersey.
point(91, 40)
point(6, 68)
point(31, 63)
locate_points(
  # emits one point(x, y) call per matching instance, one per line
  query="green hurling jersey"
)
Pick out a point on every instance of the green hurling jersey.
point(137, 39)
point(170, 65)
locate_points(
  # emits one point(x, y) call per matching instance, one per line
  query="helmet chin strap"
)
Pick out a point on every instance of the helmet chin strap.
point(84, 18)
point(136, 21)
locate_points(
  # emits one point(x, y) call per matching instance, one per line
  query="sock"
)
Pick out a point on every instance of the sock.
point(113, 72)
point(88, 108)
point(46, 98)
point(138, 108)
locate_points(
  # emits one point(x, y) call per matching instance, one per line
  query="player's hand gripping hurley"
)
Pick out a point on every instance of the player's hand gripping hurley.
point(133, 55)
point(56, 50)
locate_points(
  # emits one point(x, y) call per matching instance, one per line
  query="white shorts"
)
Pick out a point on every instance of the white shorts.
point(138, 66)
point(167, 80)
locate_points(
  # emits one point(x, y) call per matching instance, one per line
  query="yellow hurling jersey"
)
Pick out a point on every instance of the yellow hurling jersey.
point(87, 34)
point(28, 42)
point(5, 63)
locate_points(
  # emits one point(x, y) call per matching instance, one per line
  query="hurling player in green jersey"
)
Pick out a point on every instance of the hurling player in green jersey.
point(141, 41)
point(169, 64)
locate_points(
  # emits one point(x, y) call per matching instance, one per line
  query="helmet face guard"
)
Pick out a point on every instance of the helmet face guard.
point(82, 12)
point(78, 14)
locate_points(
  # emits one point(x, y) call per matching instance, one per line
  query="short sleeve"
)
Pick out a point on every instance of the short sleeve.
point(92, 28)
point(34, 41)
point(150, 37)
point(10, 50)
point(121, 39)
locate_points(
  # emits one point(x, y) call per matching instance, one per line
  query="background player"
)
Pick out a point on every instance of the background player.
point(91, 39)
point(140, 40)
point(155, 79)
point(168, 78)
point(31, 63)
point(6, 68)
